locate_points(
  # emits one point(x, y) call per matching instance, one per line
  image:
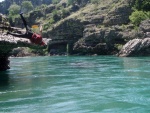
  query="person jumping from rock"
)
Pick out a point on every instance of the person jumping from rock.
point(34, 38)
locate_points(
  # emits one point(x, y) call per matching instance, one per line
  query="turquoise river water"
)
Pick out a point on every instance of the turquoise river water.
point(75, 84)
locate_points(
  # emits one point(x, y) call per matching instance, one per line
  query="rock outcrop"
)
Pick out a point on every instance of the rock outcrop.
point(104, 40)
point(118, 16)
point(69, 29)
point(136, 47)
point(7, 43)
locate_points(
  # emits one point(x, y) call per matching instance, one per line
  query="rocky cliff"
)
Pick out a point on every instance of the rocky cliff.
point(95, 28)
point(101, 29)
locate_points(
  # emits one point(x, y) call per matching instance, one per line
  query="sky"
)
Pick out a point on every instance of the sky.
point(1, 0)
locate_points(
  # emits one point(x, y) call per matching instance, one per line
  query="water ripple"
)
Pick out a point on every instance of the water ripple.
point(76, 85)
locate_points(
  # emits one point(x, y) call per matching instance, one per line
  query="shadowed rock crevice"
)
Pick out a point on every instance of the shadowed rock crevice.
point(4, 63)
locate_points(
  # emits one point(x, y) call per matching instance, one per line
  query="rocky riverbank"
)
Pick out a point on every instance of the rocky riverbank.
point(87, 29)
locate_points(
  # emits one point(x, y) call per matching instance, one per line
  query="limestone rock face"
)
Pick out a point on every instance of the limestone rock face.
point(68, 30)
point(118, 16)
point(100, 40)
point(8, 42)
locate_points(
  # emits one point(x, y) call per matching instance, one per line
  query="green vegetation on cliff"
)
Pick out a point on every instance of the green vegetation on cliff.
point(138, 16)
point(61, 9)
point(141, 11)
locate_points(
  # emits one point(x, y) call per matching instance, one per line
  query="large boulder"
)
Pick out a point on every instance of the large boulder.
point(136, 47)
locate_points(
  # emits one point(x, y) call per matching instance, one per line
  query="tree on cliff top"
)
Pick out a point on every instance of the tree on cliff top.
point(14, 10)
point(26, 6)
